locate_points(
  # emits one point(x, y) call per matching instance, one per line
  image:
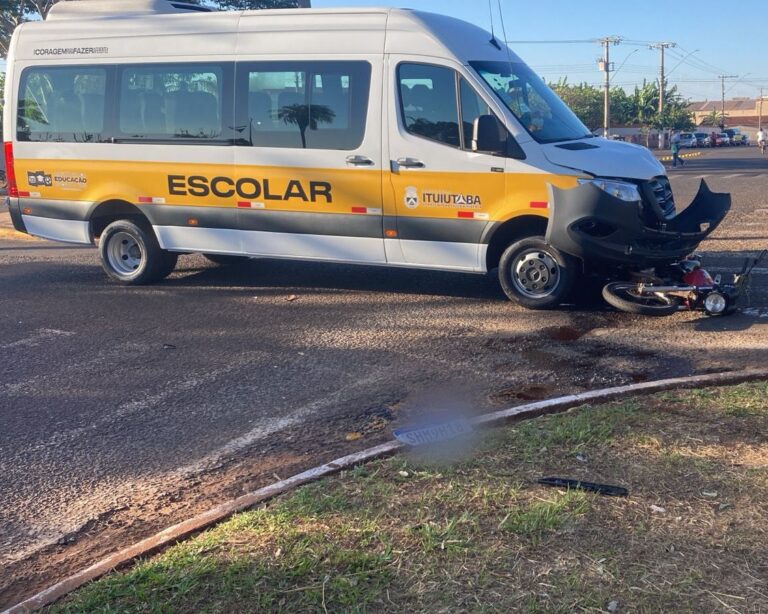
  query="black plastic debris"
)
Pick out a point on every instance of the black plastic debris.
point(604, 489)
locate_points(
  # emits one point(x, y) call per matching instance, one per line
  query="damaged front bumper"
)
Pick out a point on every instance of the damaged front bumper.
point(588, 223)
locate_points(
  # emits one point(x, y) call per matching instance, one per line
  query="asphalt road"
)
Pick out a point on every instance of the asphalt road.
point(124, 410)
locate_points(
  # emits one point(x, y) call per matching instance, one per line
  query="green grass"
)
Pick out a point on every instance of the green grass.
point(481, 535)
point(576, 430)
point(540, 517)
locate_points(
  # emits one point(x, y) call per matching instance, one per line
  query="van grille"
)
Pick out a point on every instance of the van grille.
point(662, 192)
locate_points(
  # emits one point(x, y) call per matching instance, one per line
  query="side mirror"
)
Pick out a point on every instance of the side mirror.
point(487, 134)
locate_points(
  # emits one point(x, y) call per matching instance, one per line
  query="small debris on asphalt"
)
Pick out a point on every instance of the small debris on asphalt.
point(582, 458)
point(169, 346)
point(657, 509)
point(292, 298)
point(403, 474)
point(709, 494)
point(613, 606)
point(354, 436)
point(724, 506)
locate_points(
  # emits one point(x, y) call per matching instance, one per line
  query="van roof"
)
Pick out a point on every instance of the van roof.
point(168, 30)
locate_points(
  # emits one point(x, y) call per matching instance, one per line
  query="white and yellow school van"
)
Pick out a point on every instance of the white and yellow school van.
point(372, 136)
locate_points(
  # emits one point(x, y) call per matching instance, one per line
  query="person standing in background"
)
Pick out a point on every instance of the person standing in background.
point(675, 146)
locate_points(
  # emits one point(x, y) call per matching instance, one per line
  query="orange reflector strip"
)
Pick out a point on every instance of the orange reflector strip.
point(26, 211)
point(192, 221)
point(390, 233)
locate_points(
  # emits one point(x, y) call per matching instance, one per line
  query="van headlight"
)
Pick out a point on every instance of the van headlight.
point(617, 189)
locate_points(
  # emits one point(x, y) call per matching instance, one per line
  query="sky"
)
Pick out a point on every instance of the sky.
point(712, 36)
point(726, 38)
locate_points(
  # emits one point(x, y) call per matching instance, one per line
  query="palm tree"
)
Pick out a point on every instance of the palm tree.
point(715, 118)
point(645, 100)
point(305, 116)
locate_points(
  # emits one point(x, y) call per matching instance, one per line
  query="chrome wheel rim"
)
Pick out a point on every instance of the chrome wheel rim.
point(535, 274)
point(125, 254)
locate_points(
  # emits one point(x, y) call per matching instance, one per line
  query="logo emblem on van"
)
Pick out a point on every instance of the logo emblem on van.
point(39, 178)
point(411, 197)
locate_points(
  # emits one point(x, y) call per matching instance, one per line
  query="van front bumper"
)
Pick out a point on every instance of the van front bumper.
point(590, 224)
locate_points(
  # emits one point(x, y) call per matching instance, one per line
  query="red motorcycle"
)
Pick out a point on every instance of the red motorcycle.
point(683, 286)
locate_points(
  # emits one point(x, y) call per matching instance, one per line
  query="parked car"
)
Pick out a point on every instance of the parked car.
point(723, 140)
point(735, 136)
point(687, 140)
point(702, 139)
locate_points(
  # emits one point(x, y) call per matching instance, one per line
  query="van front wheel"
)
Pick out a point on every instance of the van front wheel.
point(131, 255)
point(536, 275)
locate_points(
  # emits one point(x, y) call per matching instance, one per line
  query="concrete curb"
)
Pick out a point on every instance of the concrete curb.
point(202, 521)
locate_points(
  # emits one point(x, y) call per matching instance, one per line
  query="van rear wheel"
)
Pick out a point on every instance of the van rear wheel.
point(131, 255)
point(535, 274)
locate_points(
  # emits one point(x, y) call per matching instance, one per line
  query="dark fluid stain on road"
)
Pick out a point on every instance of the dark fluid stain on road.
point(564, 333)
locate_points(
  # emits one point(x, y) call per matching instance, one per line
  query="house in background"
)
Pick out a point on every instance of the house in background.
point(742, 113)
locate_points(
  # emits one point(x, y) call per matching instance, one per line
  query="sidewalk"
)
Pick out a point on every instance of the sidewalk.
point(480, 534)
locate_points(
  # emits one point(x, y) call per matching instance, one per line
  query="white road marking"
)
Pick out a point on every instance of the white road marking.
point(270, 426)
point(733, 176)
point(40, 335)
point(146, 402)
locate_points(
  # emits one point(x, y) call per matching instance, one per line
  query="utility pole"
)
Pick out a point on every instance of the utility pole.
point(662, 80)
point(760, 116)
point(604, 64)
point(722, 89)
point(662, 83)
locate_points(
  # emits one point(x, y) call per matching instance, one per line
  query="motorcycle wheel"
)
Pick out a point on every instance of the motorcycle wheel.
point(624, 297)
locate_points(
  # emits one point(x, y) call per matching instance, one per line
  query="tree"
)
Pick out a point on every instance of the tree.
point(14, 12)
point(584, 100)
point(587, 101)
point(715, 118)
point(622, 107)
point(305, 116)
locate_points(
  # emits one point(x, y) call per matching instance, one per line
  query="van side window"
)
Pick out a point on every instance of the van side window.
point(178, 102)
point(428, 102)
point(306, 105)
point(63, 104)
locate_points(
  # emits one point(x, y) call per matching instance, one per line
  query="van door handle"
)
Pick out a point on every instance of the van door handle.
point(410, 163)
point(359, 161)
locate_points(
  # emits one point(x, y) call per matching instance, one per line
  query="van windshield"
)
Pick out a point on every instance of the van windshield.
point(537, 107)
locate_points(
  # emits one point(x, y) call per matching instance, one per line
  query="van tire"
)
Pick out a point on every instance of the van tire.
point(226, 260)
point(131, 255)
point(536, 275)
